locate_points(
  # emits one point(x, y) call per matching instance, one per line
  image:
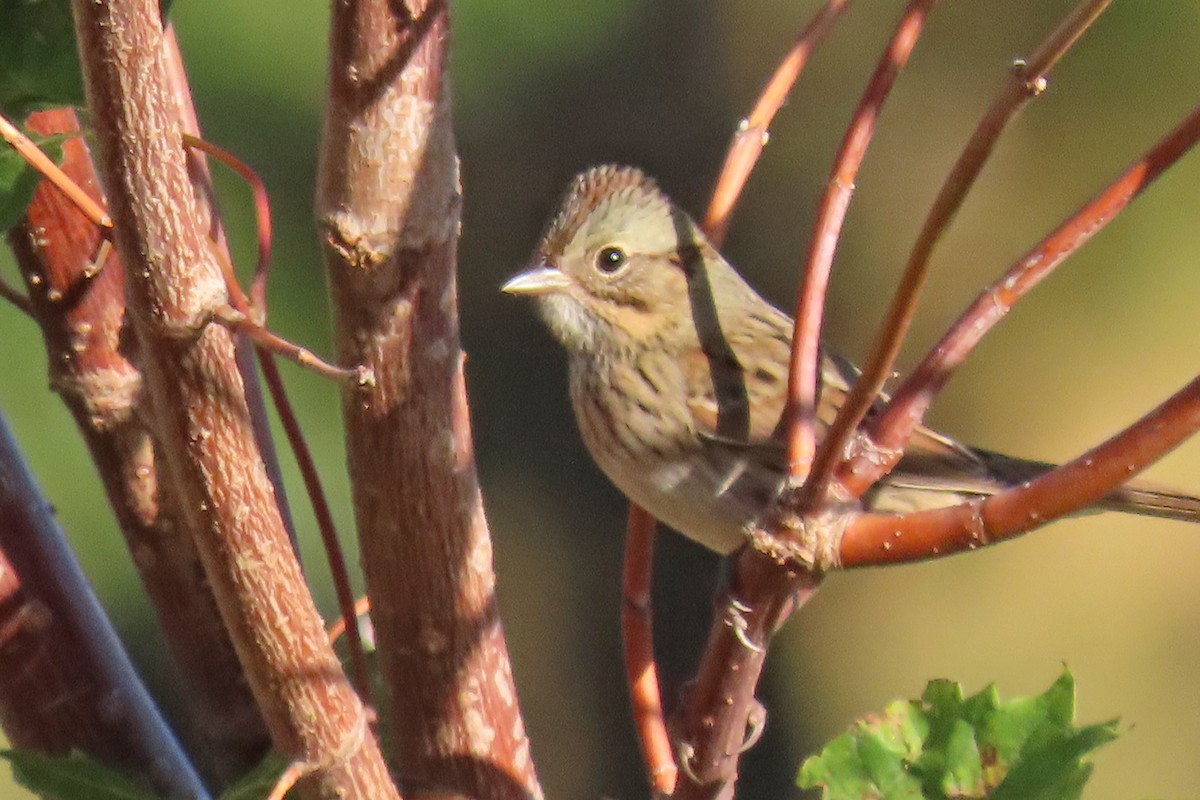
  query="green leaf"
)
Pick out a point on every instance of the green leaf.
point(947, 746)
point(18, 180)
point(72, 777)
point(38, 63)
point(257, 783)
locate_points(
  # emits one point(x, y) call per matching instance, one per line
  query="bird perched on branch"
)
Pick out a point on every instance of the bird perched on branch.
point(678, 373)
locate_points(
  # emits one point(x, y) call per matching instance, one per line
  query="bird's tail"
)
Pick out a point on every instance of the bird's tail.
point(1135, 497)
point(1154, 501)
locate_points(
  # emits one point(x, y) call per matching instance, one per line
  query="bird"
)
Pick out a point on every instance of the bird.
point(678, 374)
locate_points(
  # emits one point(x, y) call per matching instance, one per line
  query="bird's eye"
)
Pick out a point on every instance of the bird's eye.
point(610, 259)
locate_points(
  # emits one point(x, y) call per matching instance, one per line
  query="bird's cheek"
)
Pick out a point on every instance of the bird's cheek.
point(569, 320)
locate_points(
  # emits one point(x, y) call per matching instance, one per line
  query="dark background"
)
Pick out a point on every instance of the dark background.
point(543, 89)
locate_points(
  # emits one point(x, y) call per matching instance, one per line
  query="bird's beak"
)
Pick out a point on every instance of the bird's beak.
point(537, 280)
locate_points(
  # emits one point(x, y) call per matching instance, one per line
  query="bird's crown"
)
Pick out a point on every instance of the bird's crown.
point(609, 197)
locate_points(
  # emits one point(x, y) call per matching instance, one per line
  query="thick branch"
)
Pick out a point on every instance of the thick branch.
point(199, 412)
point(80, 307)
point(388, 205)
point(717, 722)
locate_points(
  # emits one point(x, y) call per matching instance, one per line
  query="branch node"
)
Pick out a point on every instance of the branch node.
point(735, 619)
point(1034, 85)
point(684, 753)
point(810, 541)
point(756, 723)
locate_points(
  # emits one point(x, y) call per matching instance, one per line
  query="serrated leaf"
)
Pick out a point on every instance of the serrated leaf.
point(257, 783)
point(39, 66)
point(72, 777)
point(947, 746)
point(870, 760)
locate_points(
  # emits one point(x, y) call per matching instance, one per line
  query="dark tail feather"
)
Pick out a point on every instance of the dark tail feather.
point(1137, 497)
point(1153, 501)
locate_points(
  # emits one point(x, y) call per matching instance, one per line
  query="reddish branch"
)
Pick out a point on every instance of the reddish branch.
point(79, 305)
point(641, 673)
point(906, 409)
point(1027, 80)
point(753, 132)
point(804, 371)
point(886, 539)
point(199, 411)
point(721, 718)
point(388, 205)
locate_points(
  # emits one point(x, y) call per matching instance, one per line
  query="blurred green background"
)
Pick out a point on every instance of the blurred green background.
point(545, 89)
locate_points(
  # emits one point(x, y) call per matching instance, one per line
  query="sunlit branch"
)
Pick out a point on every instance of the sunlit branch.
point(872, 539)
point(1027, 80)
point(805, 358)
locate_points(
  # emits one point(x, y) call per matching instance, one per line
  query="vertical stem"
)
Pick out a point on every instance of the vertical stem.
point(199, 412)
point(388, 204)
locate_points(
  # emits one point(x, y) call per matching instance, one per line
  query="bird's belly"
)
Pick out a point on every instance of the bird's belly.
point(644, 440)
point(682, 487)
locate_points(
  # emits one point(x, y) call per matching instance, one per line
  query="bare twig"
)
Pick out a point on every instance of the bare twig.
point(906, 409)
point(872, 539)
point(42, 163)
point(638, 640)
point(262, 214)
point(1027, 80)
point(753, 131)
point(14, 296)
point(804, 369)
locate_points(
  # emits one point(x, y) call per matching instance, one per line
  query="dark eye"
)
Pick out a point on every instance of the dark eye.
point(610, 259)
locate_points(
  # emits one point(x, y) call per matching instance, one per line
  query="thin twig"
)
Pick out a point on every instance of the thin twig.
point(324, 518)
point(16, 297)
point(42, 163)
point(362, 607)
point(906, 409)
point(262, 214)
point(1026, 81)
point(638, 640)
point(753, 131)
point(872, 539)
point(240, 322)
point(805, 358)
point(290, 776)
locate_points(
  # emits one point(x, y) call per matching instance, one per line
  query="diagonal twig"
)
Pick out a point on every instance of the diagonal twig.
point(913, 397)
point(804, 369)
point(1026, 81)
point(753, 131)
point(872, 539)
point(42, 163)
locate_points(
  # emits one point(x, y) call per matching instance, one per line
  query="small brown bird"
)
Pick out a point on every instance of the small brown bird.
point(678, 373)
